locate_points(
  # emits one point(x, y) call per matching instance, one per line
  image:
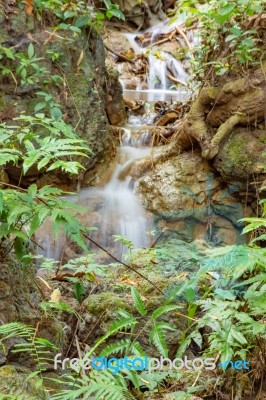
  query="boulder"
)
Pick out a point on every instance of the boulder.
point(187, 196)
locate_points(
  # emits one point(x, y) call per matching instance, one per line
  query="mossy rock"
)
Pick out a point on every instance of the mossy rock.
point(241, 154)
point(15, 383)
point(104, 302)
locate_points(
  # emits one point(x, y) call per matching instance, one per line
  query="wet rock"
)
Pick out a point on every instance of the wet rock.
point(140, 13)
point(115, 106)
point(180, 183)
point(82, 99)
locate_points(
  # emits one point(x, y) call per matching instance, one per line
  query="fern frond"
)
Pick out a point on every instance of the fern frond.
point(99, 385)
point(122, 346)
point(157, 337)
point(138, 303)
point(115, 327)
point(38, 348)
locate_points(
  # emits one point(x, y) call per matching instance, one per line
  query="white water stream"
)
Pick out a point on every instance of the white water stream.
point(115, 208)
point(161, 65)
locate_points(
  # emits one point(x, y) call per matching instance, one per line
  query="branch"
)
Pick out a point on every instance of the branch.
point(123, 58)
point(121, 262)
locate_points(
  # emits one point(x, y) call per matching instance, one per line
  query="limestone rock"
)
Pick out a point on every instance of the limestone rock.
point(115, 106)
point(181, 183)
point(187, 197)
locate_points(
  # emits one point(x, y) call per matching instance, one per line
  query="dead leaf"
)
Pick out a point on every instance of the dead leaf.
point(128, 282)
point(29, 6)
point(62, 275)
point(55, 296)
point(80, 58)
point(44, 281)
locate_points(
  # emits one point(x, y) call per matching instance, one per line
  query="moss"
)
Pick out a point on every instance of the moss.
point(237, 151)
point(14, 382)
point(102, 302)
point(262, 138)
point(237, 157)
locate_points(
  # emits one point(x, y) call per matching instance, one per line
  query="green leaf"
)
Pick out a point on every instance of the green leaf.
point(157, 337)
point(75, 29)
point(82, 21)
point(19, 248)
point(69, 14)
point(40, 106)
point(79, 291)
point(56, 113)
point(238, 336)
point(8, 52)
point(32, 190)
point(227, 9)
point(164, 309)
point(140, 306)
point(1, 202)
point(35, 224)
point(30, 50)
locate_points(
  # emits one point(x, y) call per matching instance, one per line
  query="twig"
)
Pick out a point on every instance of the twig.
point(123, 58)
point(79, 354)
point(181, 33)
point(175, 80)
point(73, 337)
point(122, 262)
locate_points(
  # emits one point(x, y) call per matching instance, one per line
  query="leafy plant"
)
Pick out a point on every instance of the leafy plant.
point(47, 145)
point(48, 102)
point(222, 35)
point(39, 349)
point(43, 142)
point(28, 69)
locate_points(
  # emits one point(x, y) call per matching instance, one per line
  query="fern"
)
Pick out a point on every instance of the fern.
point(100, 384)
point(39, 349)
point(120, 347)
point(115, 327)
point(140, 306)
point(157, 337)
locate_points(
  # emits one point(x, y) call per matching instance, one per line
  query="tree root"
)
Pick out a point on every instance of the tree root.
point(218, 110)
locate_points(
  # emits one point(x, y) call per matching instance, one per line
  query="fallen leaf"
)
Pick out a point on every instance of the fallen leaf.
point(55, 296)
point(80, 58)
point(62, 275)
point(44, 281)
point(29, 6)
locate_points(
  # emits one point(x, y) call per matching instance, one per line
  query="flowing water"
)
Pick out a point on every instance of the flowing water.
point(115, 208)
point(162, 64)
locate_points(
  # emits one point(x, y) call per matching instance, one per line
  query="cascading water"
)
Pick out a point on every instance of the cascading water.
point(161, 66)
point(113, 209)
point(122, 212)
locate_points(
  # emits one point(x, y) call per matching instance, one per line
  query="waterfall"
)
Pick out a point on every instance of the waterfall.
point(161, 66)
point(113, 209)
